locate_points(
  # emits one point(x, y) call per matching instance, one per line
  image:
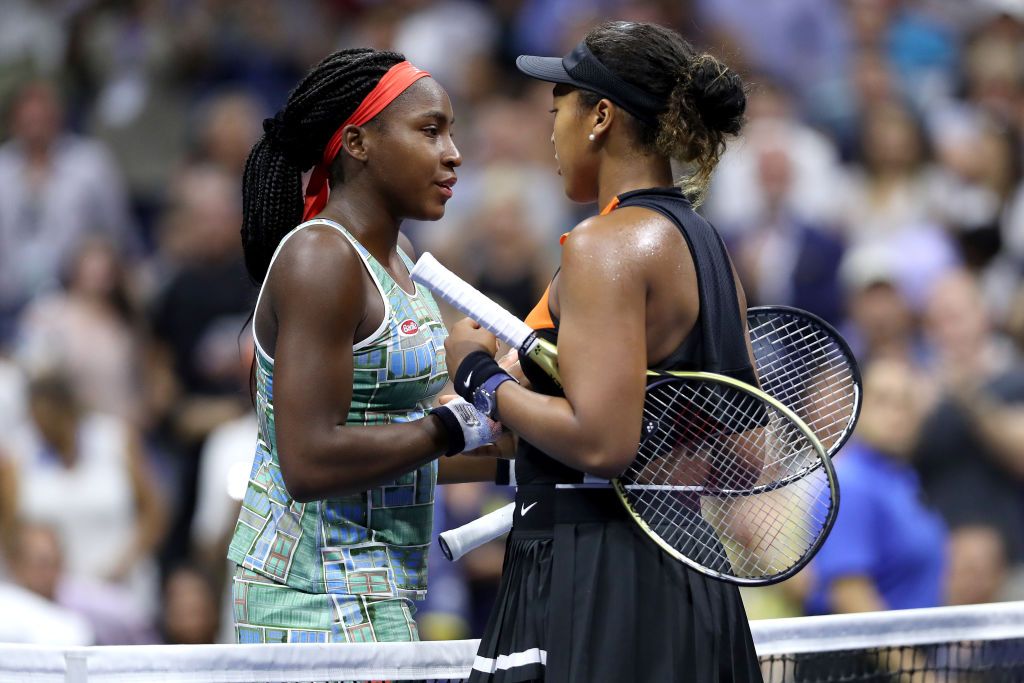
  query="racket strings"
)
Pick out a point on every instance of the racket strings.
point(804, 367)
point(736, 414)
point(703, 483)
point(793, 348)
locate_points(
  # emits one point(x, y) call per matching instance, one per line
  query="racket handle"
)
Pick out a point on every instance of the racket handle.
point(457, 542)
point(470, 301)
point(544, 354)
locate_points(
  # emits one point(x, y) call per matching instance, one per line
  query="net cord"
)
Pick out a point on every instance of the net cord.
point(895, 628)
point(294, 663)
point(453, 659)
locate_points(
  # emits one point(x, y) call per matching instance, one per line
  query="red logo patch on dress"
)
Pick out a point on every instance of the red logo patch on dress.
point(409, 327)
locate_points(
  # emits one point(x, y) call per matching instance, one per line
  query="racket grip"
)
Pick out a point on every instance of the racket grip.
point(457, 542)
point(468, 300)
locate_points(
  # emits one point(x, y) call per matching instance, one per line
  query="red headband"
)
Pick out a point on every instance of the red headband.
point(391, 85)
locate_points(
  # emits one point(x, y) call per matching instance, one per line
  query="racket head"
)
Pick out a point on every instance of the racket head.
point(713, 482)
point(803, 362)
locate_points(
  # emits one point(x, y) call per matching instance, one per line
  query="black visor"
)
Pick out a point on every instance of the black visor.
point(580, 68)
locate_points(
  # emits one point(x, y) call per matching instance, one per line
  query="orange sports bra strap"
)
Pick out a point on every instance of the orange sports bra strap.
point(540, 316)
point(612, 205)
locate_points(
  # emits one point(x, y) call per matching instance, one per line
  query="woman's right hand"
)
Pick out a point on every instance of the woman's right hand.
point(464, 338)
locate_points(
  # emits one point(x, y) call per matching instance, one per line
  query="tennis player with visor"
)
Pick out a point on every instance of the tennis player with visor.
point(647, 284)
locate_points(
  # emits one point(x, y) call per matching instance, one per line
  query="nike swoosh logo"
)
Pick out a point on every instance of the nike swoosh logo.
point(468, 377)
point(524, 508)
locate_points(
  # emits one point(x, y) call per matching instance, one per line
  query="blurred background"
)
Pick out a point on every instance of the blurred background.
point(878, 183)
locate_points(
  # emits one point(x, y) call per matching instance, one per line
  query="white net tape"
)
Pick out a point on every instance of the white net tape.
point(452, 660)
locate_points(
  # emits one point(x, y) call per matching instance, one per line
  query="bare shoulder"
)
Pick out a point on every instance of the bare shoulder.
point(628, 238)
point(318, 281)
point(319, 256)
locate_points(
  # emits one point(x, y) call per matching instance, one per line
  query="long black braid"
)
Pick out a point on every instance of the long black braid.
point(294, 141)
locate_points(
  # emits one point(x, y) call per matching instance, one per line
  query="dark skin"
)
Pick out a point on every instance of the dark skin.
point(626, 296)
point(319, 300)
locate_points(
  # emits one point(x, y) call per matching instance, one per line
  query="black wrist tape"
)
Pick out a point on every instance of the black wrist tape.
point(456, 439)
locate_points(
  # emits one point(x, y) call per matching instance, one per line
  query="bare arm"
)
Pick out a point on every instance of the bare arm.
point(480, 465)
point(149, 505)
point(318, 298)
point(855, 593)
point(1000, 425)
point(602, 358)
point(8, 499)
point(463, 469)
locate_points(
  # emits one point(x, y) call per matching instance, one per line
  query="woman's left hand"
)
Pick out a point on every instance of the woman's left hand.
point(467, 336)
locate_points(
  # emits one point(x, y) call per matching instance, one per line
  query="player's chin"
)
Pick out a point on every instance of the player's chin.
point(434, 211)
point(579, 193)
point(430, 209)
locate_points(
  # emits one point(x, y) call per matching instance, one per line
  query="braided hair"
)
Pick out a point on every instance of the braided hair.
point(294, 141)
point(705, 98)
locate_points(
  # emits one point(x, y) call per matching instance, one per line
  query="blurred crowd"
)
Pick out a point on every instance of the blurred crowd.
point(878, 183)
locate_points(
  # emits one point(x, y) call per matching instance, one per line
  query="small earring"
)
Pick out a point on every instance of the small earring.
point(591, 137)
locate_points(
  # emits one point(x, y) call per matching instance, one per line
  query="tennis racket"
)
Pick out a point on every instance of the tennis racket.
point(806, 364)
point(713, 482)
point(800, 360)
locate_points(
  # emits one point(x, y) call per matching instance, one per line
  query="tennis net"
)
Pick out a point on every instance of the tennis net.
point(983, 643)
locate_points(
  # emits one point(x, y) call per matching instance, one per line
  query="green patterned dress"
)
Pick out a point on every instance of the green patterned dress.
point(345, 569)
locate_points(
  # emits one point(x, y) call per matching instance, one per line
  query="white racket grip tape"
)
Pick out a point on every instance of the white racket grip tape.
point(470, 301)
point(457, 542)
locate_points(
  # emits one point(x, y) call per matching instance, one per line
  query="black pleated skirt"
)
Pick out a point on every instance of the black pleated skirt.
point(599, 602)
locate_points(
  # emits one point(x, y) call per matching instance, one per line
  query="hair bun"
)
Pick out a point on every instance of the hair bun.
point(717, 93)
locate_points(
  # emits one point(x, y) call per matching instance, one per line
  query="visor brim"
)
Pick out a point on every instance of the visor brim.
point(548, 69)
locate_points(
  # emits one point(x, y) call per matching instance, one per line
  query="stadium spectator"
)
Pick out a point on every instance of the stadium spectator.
point(775, 123)
point(970, 455)
point(37, 565)
point(887, 548)
point(90, 329)
point(892, 183)
point(84, 474)
point(880, 321)
point(228, 128)
point(198, 317)
point(782, 258)
point(55, 189)
point(189, 613)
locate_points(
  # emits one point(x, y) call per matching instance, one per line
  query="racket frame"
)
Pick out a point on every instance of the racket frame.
point(514, 332)
point(823, 461)
point(844, 348)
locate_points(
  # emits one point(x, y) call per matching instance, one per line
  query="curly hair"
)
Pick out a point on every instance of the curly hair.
point(705, 99)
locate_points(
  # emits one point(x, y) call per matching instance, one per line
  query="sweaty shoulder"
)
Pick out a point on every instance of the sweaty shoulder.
point(635, 236)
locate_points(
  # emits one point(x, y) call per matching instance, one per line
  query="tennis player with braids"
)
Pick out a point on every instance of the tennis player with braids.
point(585, 595)
point(331, 542)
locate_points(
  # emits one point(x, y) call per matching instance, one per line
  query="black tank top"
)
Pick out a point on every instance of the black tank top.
point(717, 342)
